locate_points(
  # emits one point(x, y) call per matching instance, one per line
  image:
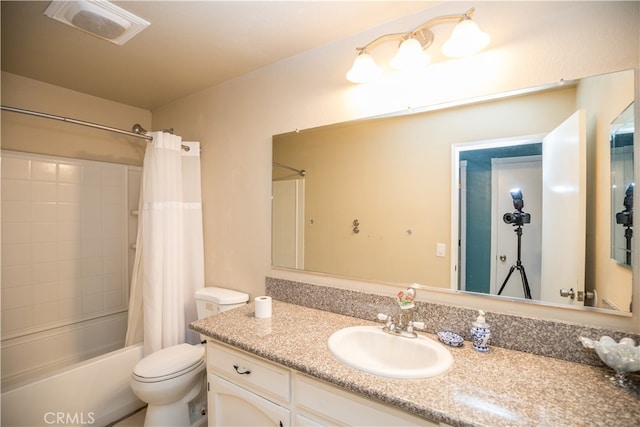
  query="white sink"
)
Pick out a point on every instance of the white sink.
point(369, 349)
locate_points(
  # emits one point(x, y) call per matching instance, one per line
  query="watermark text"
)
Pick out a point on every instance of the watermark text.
point(69, 418)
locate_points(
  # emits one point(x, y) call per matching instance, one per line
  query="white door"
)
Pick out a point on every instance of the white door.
point(564, 201)
point(524, 173)
point(231, 405)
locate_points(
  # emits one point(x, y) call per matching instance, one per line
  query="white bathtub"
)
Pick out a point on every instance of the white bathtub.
point(95, 392)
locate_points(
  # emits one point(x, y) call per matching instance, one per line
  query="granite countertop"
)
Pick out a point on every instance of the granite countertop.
point(499, 388)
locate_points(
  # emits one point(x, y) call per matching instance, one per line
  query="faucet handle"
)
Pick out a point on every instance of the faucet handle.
point(383, 317)
point(414, 325)
point(418, 325)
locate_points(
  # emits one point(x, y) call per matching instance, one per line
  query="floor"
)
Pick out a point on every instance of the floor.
point(134, 420)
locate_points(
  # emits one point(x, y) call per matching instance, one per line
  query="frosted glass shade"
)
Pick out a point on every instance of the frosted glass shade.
point(466, 38)
point(364, 69)
point(410, 56)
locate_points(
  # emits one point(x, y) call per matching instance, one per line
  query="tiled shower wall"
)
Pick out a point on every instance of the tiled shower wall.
point(66, 238)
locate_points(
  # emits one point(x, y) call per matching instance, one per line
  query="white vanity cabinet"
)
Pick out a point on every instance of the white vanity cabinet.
point(245, 390)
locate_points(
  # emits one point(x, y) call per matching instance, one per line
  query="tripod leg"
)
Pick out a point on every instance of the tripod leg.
point(525, 282)
point(513, 267)
point(628, 234)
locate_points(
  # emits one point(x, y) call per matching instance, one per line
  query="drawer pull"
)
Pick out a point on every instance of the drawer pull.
point(245, 371)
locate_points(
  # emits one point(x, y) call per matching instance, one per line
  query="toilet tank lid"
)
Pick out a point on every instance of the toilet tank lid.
point(221, 295)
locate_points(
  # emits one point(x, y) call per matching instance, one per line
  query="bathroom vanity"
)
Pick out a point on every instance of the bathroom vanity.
point(295, 380)
point(247, 390)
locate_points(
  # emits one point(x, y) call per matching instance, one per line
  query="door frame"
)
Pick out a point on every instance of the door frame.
point(456, 188)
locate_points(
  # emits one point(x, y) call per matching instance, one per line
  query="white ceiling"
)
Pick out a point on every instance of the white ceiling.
point(197, 44)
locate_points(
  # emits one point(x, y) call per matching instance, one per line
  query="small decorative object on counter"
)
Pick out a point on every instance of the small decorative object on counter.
point(622, 357)
point(450, 338)
point(406, 298)
point(480, 333)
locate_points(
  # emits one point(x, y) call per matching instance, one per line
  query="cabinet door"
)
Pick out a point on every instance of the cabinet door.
point(231, 405)
point(305, 421)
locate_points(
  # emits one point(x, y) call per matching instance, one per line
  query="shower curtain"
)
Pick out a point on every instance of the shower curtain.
point(169, 262)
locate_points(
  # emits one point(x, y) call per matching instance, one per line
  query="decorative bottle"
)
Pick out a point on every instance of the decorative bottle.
point(480, 333)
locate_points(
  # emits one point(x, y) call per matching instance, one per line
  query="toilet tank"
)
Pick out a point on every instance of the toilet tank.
point(212, 300)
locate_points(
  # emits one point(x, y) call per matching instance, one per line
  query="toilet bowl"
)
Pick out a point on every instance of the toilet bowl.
point(172, 381)
point(168, 380)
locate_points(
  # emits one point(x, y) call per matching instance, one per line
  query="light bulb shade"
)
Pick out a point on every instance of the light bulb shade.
point(364, 69)
point(466, 39)
point(410, 56)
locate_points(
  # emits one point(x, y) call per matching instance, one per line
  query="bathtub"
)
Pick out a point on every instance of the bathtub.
point(94, 392)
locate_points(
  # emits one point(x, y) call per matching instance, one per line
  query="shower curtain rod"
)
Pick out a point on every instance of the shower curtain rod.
point(74, 121)
point(84, 123)
point(301, 172)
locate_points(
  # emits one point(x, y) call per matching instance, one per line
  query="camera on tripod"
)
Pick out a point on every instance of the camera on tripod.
point(518, 217)
point(625, 217)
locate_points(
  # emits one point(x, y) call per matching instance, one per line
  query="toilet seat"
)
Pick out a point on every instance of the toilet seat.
point(169, 363)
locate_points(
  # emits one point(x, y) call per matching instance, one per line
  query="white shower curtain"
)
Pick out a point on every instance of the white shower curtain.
point(169, 264)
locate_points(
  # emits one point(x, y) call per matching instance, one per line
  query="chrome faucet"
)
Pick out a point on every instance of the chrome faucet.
point(403, 324)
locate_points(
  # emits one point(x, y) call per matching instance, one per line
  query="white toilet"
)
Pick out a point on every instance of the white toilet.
point(172, 381)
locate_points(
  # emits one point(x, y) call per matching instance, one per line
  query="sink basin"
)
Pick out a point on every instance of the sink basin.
point(369, 349)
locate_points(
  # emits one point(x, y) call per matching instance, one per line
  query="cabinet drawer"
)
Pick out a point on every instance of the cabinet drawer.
point(249, 371)
point(343, 408)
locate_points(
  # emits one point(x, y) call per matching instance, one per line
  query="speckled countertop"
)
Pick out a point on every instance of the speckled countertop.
point(499, 388)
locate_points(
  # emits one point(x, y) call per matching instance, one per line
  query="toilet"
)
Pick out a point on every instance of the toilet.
point(172, 381)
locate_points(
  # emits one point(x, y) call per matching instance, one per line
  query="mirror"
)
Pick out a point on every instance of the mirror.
point(622, 185)
point(372, 199)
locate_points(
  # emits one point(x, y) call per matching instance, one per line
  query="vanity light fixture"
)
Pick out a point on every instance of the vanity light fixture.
point(465, 39)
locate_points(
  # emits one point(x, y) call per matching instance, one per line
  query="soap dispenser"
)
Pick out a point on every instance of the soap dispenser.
point(480, 333)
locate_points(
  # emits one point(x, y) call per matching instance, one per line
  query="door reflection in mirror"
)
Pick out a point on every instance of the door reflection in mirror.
point(550, 171)
point(490, 246)
point(622, 186)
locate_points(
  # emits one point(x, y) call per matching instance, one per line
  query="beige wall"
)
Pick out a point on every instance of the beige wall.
point(533, 43)
point(39, 135)
point(394, 175)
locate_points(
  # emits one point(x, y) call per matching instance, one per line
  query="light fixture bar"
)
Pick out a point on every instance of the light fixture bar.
point(430, 23)
point(466, 39)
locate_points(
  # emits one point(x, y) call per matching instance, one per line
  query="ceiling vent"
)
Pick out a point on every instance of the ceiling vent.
point(98, 17)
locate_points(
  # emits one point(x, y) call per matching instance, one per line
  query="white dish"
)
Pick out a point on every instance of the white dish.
point(449, 338)
point(623, 357)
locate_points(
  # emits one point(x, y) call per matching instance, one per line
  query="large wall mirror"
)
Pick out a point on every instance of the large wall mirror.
point(443, 197)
